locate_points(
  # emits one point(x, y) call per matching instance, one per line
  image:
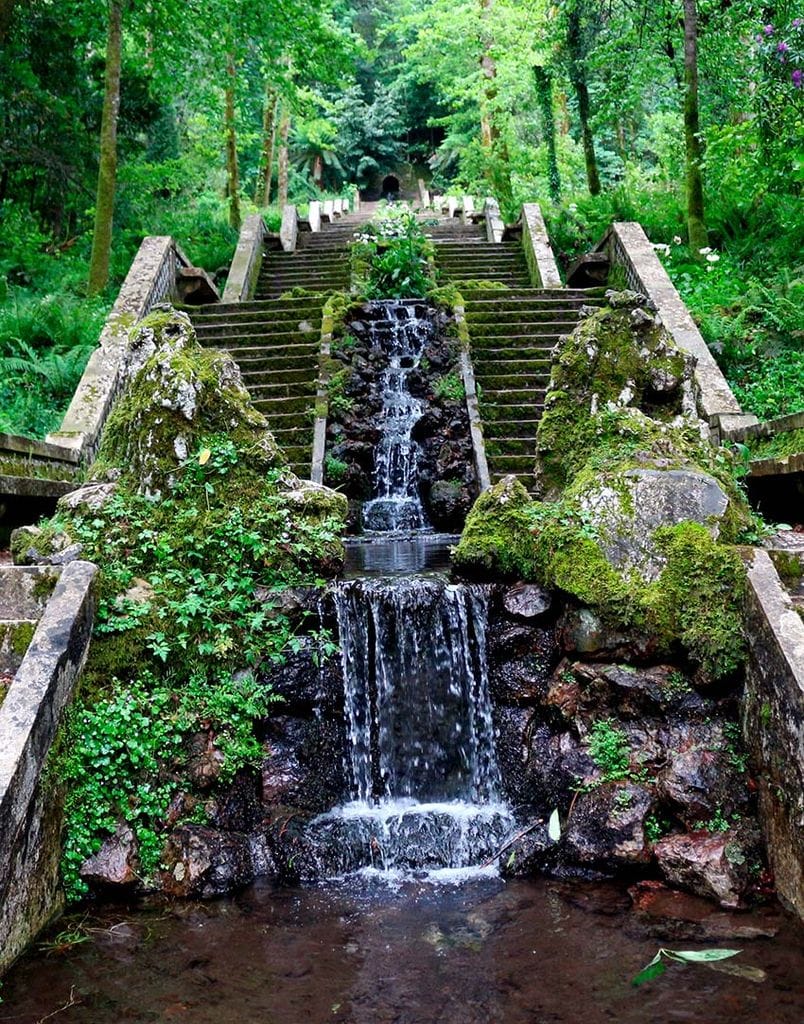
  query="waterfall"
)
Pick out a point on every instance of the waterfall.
point(398, 331)
point(422, 765)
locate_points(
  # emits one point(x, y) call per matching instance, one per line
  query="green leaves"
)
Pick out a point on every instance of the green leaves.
point(657, 966)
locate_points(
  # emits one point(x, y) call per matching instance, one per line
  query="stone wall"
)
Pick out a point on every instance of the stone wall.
point(628, 247)
point(29, 719)
point(151, 280)
point(773, 723)
point(247, 260)
point(538, 251)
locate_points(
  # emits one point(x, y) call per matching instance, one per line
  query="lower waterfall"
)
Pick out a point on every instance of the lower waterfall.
point(422, 764)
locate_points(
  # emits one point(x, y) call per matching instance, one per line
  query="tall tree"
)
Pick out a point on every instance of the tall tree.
point(696, 218)
point(576, 49)
point(230, 129)
point(262, 192)
point(544, 93)
point(107, 169)
point(284, 157)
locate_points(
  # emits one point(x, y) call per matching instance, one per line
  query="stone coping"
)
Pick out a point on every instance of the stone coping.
point(495, 225)
point(246, 261)
point(151, 279)
point(538, 251)
point(29, 719)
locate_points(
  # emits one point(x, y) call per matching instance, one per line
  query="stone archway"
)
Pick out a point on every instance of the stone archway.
point(390, 187)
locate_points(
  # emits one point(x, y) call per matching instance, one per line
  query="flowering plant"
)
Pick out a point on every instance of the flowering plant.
point(780, 50)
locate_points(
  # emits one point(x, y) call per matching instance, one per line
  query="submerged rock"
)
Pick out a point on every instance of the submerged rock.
point(203, 862)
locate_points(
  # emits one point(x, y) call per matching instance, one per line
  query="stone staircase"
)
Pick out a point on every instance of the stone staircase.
point(276, 344)
point(471, 258)
point(276, 338)
point(512, 336)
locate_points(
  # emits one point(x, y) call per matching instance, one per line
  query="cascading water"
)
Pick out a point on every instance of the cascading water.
point(399, 330)
point(424, 775)
point(425, 785)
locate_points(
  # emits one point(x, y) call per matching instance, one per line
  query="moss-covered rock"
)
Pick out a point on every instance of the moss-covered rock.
point(497, 539)
point(178, 393)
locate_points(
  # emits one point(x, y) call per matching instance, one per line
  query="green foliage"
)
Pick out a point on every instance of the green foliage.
point(339, 402)
point(335, 470)
point(450, 387)
point(189, 596)
point(609, 749)
point(392, 257)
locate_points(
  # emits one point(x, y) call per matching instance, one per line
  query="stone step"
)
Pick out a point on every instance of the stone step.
point(535, 339)
point(279, 389)
point(503, 355)
point(254, 378)
point(491, 412)
point(497, 323)
point(511, 396)
point(507, 383)
point(504, 464)
point(274, 362)
point(227, 329)
point(260, 305)
point(497, 429)
point(485, 366)
point(288, 342)
point(279, 406)
point(497, 447)
point(297, 314)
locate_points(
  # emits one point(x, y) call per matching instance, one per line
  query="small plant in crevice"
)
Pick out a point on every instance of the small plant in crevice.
point(610, 750)
point(335, 470)
point(450, 387)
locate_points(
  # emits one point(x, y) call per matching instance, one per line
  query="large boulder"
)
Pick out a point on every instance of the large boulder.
point(497, 540)
point(720, 866)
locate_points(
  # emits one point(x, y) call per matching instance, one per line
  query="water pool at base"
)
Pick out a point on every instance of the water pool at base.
point(479, 952)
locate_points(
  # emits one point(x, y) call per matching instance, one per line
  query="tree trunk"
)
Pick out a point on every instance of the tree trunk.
point(284, 161)
point(696, 219)
point(544, 91)
point(6, 15)
point(107, 169)
point(488, 68)
point(578, 78)
point(232, 166)
point(262, 194)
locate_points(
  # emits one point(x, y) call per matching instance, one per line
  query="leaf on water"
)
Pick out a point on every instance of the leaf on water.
point(755, 974)
point(654, 970)
point(554, 826)
point(700, 956)
point(204, 456)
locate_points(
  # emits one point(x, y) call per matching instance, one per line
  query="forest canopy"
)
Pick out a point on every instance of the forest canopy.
point(120, 119)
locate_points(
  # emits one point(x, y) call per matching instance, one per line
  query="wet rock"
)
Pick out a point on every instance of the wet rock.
point(206, 760)
point(670, 915)
point(527, 600)
point(699, 778)
point(304, 763)
point(116, 863)
point(203, 862)
point(529, 854)
point(607, 826)
point(583, 631)
point(716, 866)
point(447, 505)
point(633, 691)
point(305, 680)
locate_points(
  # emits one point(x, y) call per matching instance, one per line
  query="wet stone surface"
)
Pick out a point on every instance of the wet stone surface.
point(482, 952)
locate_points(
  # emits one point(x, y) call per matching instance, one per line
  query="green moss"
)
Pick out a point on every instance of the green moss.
point(790, 442)
point(699, 599)
point(497, 538)
point(44, 585)
point(789, 565)
point(20, 637)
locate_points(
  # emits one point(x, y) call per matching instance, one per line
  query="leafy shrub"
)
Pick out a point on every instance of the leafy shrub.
point(392, 256)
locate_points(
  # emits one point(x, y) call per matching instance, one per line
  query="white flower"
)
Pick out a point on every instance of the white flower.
point(705, 251)
point(676, 239)
point(712, 257)
point(661, 247)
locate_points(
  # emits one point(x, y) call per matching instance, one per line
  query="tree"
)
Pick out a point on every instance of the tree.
point(696, 221)
point(262, 192)
point(232, 163)
point(576, 50)
point(544, 93)
point(107, 169)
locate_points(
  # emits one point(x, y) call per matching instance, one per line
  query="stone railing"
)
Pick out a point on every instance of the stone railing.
point(30, 847)
point(151, 280)
point(773, 723)
point(495, 225)
point(538, 251)
point(289, 231)
point(628, 247)
point(246, 261)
